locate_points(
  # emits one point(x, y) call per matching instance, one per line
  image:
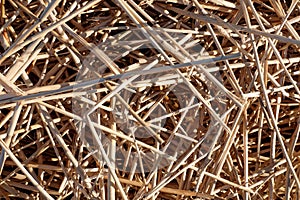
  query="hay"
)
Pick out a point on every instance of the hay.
point(152, 99)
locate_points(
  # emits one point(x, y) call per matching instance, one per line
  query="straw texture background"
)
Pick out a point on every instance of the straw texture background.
point(254, 152)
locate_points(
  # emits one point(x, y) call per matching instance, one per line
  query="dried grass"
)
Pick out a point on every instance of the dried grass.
point(245, 143)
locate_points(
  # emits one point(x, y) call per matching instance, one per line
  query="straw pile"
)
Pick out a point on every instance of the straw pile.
point(207, 109)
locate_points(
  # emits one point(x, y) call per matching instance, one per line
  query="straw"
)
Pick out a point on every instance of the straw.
point(164, 99)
